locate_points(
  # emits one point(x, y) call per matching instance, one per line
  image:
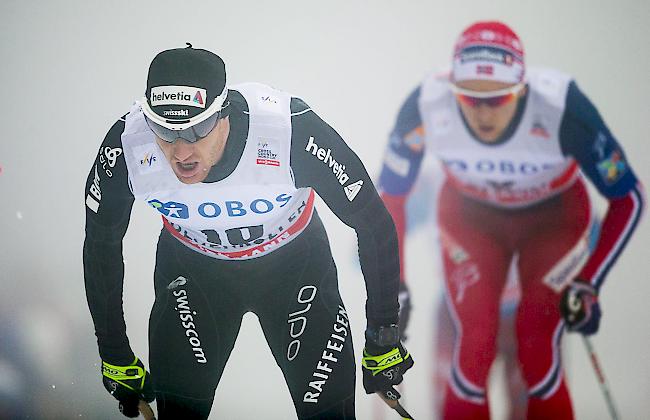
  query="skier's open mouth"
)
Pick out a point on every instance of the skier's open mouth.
point(187, 169)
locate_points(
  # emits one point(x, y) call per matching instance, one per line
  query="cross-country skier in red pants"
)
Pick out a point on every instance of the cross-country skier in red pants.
point(516, 145)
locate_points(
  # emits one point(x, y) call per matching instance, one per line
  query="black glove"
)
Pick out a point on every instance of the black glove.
point(128, 384)
point(384, 364)
point(404, 298)
point(579, 307)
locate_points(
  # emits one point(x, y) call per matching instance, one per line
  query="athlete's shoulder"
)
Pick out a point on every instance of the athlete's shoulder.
point(428, 95)
point(243, 92)
point(236, 100)
point(408, 116)
point(299, 107)
point(435, 86)
point(262, 99)
point(549, 84)
point(305, 119)
point(252, 89)
point(108, 175)
point(114, 134)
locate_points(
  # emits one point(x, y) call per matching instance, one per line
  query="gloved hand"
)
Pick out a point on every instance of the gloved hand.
point(128, 384)
point(384, 364)
point(579, 307)
point(404, 298)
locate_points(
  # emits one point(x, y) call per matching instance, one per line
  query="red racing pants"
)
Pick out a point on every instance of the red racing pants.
point(479, 242)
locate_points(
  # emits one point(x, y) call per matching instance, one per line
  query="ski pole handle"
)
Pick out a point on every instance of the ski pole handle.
point(146, 411)
point(395, 405)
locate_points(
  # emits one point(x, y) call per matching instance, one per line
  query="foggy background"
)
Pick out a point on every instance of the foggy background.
point(69, 69)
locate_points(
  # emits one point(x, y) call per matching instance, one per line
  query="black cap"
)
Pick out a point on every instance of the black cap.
point(184, 86)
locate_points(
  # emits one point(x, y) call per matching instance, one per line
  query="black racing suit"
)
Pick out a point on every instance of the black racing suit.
point(200, 301)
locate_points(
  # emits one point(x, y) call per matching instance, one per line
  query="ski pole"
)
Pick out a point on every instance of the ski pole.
point(604, 387)
point(395, 405)
point(146, 411)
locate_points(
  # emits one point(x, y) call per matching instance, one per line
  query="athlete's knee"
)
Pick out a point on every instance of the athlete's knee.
point(477, 351)
point(543, 376)
point(540, 361)
point(470, 368)
point(478, 333)
point(328, 393)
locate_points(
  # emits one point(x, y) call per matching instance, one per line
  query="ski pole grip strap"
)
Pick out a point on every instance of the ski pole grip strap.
point(376, 364)
point(121, 374)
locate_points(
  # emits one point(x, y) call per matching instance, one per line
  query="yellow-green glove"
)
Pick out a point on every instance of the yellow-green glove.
point(128, 384)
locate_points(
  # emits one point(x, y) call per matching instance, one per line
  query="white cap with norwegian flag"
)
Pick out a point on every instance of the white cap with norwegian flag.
point(488, 51)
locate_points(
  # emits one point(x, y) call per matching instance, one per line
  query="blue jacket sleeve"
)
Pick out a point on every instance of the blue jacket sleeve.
point(585, 137)
point(405, 149)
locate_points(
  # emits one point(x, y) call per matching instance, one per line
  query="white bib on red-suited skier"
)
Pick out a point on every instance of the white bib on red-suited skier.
point(527, 168)
point(250, 213)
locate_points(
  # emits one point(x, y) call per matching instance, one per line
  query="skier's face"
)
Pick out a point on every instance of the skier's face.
point(488, 117)
point(191, 162)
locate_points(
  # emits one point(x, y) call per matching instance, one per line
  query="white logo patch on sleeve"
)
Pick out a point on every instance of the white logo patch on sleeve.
point(396, 163)
point(94, 193)
point(92, 203)
point(569, 266)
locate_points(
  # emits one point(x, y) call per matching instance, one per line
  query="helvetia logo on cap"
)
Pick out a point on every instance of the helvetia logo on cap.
point(178, 95)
